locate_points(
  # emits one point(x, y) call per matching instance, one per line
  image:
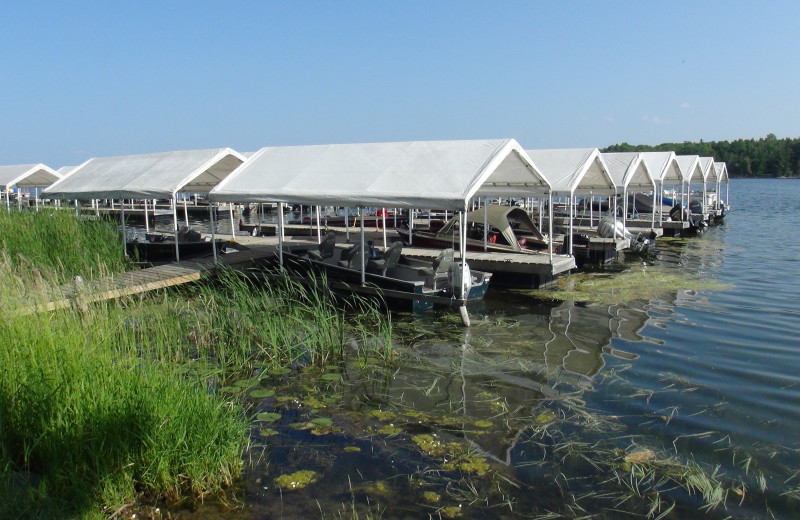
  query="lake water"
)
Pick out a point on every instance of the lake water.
point(674, 390)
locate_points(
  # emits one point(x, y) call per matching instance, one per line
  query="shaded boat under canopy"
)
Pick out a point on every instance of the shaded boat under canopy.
point(420, 174)
point(491, 228)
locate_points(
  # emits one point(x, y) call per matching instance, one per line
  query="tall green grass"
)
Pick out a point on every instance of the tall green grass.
point(120, 401)
point(59, 242)
point(85, 423)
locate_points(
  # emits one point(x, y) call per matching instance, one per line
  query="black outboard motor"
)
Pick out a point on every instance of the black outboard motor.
point(675, 212)
point(695, 207)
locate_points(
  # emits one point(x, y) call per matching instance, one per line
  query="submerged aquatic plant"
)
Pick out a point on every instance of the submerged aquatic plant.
point(611, 288)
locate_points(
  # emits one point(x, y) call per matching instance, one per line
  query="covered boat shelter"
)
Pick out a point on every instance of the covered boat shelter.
point(575, 171)
point(35, 176)
point(417, 174)
point(148, 176)
point(630, 173)
point(689, 166)
point(664, 168)
point(709, 175)
point(722, 176)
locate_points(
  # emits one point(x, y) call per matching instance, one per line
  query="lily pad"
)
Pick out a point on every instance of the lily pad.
point(268, 417)
point(331, 376)
point(261, 393)
point(229, 390)
point(321, 421)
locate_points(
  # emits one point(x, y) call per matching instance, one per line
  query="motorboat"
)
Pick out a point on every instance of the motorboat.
point(510, 229)
point(160, 247)
point(610, 227)
point(404, 283)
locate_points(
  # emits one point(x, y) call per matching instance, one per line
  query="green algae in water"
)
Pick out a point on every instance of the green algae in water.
point(431, 497)
point(297, 480)
point(611, 288)
point(483, 424)
point(468, 464)
point(545, 417)
point(451, 512)
point(381, 415)
point(389, 430)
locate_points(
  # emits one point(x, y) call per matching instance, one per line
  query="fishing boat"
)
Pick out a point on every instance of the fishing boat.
point(510, 229)
point(407, 284)
point(160, 247)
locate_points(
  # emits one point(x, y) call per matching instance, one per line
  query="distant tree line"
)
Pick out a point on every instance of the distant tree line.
point(765, 157)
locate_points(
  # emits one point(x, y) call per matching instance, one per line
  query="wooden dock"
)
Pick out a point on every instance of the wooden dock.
point(83, 292)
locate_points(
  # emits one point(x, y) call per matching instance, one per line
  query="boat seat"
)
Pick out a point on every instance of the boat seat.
point(439, 268)
point(326, 248)
point(390, 258)
point(351, 258)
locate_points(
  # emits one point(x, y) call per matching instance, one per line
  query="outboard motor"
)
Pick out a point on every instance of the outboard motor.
point(460, 282)
point(675, 213)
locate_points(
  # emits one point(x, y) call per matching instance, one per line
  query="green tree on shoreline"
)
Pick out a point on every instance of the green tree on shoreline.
point(755, 158)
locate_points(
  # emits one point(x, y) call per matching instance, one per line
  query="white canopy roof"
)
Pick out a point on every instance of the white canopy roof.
point(66, 170)
point(629, 171)
point(574, 170)
point(422, 174)
point(708, 169)
point(151, 176)
point(690, 167)
point(722, 171)
point(663, 167)
point(27, 176)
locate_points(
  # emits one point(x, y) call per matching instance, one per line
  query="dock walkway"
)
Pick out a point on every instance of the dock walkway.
point(83, 292)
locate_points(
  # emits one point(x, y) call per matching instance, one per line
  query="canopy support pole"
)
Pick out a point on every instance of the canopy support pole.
point(185, 211)
point(411, 226)
point(147, 218)
point(280, 235)
point(233, 227)
point(615, 218)
point(363, 256)
point(124, 234)
point(653, 214)
point(175, 227)
point(347, 224)
point(549, 224)
point(571, 207)
point(591, 209)
point(319, 233)
point(383, 217)
point(485, 228)
point(464, 287)
point(213, 231)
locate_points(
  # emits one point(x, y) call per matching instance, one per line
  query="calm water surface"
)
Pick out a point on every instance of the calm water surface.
point(630, 406)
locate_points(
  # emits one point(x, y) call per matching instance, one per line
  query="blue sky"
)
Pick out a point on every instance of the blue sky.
point(102, 78)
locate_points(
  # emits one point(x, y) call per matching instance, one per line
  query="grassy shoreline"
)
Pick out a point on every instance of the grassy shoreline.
point(128, 401)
